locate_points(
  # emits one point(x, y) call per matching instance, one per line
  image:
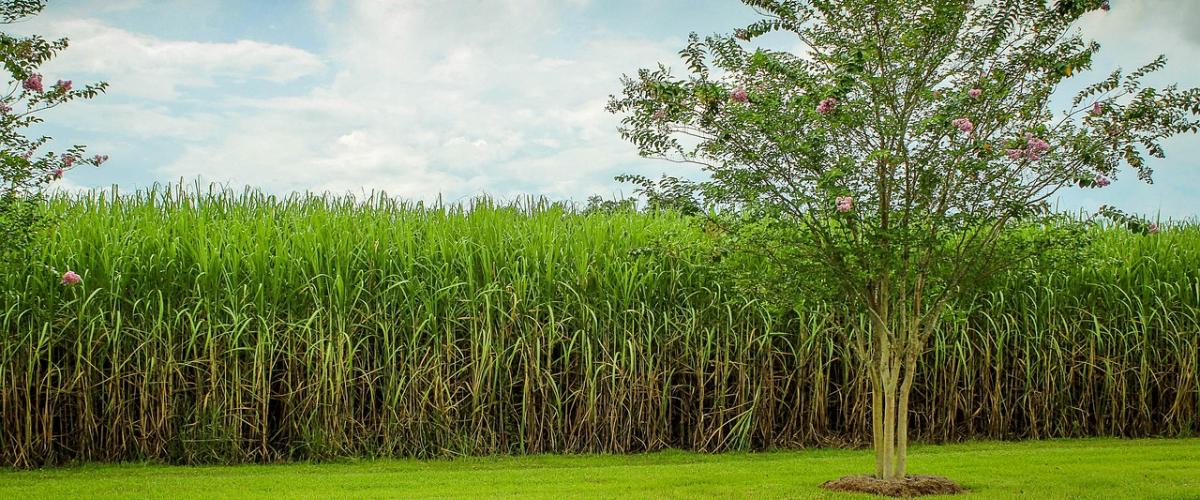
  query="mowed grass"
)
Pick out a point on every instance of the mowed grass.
point(1086, 468)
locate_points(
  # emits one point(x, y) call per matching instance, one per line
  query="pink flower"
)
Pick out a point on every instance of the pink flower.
point(27, 155)
point(975, 92)
point(827, 105)
point(64, 85)
point(1035, 147)
point(98, 159)
point(844, 203)
point(4, 107)
point(739, 95)
point(1097, 108)
point(68, 160)
point(963, 124)
point(1015, 154)
point(1102, 181)
point(1152, 227)
point(34, 83)
point(70, 278)
point(58, 173)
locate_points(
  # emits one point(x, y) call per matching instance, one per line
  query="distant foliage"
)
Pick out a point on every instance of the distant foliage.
point(223, 327)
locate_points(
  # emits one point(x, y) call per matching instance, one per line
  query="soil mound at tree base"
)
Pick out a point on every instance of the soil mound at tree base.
point(911, 486)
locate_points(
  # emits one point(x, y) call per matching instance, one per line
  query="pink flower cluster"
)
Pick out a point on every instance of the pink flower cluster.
point(1101, 181)
point(70, 278)
point(98, 159)
point(739, 95)
point(58, 173)
point(5, 108)
point(1034, 149)
point(975, 92)
point(963, 124)
point(827, 105)
point(1097, 108)
point(845, 204)
point(34, 83)
point(63, 85)
point(68, 160)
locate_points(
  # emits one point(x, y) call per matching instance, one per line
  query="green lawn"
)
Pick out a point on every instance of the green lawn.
point(1091, 468)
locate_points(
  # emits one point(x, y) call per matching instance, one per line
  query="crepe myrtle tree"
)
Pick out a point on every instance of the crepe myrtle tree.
point(25, 167)
point(897, 145)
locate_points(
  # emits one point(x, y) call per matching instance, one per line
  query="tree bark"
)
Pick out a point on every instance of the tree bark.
point(889, 426)
point(910, 371)
point(877, 419)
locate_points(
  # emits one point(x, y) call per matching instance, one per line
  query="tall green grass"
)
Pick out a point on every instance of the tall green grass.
point(230, 327)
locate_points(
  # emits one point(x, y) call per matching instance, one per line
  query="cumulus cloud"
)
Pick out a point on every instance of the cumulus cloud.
point(423, 98)
point(1133, 33)
point(154, 68)
point(421, 111)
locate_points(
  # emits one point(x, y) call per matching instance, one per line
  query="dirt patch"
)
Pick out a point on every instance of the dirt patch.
point(911, 486)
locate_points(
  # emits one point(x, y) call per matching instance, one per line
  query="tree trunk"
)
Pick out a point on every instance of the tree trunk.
point(889, 427)
point(910, 371)
point(891, 385)
point(877, 421)
point(896, 343)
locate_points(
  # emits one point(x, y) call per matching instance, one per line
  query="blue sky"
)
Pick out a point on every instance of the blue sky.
point(423, 98)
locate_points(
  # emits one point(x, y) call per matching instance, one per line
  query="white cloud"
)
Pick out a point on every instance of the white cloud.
point(427, 97)
point(153, 68)
point(68, 186)
point(421, 110)
point(140, 120)
point(1133, 33)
